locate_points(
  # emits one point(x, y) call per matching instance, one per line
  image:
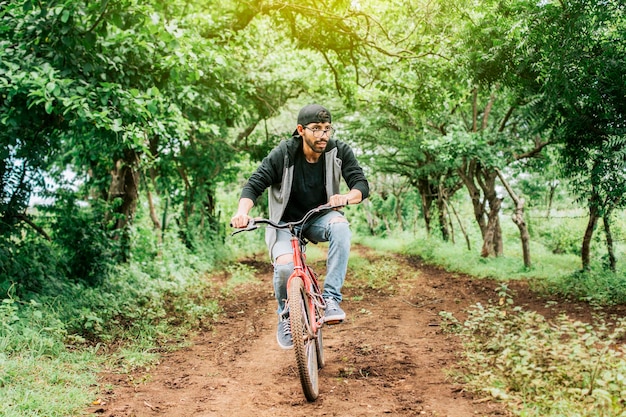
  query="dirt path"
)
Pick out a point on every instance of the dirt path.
point(390, 357)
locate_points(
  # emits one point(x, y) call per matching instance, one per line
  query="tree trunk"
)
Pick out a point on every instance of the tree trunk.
point(369, 218)
point(125, 186)
point(486, 179)
point(498, 245)
point(518, 219)
point(586, 247)
point(609, 241)
point(553, 186)
point(399, 218)
point(477, 204)
point(492, 233)
point(427, 200)
point(467, 240)
point(450, 224)
point(443, 222)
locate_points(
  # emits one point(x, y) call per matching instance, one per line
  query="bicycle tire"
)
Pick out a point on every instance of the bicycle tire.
point(304, 344)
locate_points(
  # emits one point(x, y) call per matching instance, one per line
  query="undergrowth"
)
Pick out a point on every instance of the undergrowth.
point(54, 341)
point(542, 368)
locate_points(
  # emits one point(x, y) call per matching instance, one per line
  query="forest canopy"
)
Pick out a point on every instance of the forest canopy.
point(108, 107)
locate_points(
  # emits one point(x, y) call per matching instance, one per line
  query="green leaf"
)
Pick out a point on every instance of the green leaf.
point(117, 125)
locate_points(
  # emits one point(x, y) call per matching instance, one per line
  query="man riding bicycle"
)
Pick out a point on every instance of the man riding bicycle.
point(304, 172)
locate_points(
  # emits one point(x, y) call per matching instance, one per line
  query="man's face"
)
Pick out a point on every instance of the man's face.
point(316, 136)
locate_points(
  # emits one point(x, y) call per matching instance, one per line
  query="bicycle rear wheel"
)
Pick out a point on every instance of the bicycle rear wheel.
point(319, 347)
point(304, 341)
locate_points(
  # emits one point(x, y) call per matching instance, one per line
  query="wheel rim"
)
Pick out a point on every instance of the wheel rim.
point(310, 345)
point(311, 353)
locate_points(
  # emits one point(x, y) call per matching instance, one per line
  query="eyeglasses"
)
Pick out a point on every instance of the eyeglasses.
point(319, 133)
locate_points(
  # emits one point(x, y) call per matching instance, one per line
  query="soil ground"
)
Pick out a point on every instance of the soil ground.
point(389, 358)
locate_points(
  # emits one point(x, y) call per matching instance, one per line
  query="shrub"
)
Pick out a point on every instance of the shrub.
point(562, 238)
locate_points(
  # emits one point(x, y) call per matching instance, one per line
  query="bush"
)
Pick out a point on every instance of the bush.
point(563, 238)
point(597, 286)
point(30, 266)
point(88, 250)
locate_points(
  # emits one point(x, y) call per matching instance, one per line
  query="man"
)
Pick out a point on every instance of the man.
point(304, 172)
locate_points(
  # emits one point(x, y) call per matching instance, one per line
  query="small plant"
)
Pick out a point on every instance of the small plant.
point(449, 323)
point(240, 274)
point(505, 295)
point(377, 275)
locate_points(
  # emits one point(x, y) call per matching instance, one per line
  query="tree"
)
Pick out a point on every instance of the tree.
point(576, 50)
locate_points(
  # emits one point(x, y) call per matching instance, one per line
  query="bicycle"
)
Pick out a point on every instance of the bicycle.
point(305, 303)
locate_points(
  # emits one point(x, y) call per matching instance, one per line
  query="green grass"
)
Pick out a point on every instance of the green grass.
point(549, 273)
point(34, 385)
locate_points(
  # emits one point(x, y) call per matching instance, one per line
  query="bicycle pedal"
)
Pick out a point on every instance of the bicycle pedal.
point(332, 322)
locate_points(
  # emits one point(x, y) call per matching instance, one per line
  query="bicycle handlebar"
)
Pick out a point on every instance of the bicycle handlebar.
point(254, 223)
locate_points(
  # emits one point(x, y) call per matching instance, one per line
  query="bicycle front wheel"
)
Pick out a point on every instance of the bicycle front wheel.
point(304, 341)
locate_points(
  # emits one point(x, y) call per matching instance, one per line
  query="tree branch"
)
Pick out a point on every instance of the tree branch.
point(533, 152)
point(23, 217)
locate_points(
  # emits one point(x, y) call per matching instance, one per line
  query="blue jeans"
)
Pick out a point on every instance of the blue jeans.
point(322, 229)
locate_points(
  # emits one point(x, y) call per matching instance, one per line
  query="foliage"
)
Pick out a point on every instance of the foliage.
point(380, 274)
point(544, 368)
point(88, 251)
point(159, 110)
point(552, 273)
point(81, 251)
point(48, 338)
point(35, 385)
point(597, 286)
point(561, 236)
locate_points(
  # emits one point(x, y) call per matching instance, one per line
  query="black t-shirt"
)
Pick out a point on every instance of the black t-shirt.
point(308, 189)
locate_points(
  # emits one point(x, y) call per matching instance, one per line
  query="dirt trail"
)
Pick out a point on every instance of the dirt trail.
point(390, 357)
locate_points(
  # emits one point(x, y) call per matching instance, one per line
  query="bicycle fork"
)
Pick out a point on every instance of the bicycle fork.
point(311, 299)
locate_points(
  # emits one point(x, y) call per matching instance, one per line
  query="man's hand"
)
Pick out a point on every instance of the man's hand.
point(353, 197)
point(241, 218)
point(339, 200)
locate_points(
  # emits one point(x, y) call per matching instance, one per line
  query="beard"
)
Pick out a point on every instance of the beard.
point(316, 145)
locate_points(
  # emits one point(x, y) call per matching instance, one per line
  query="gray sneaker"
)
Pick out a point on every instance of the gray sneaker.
point(334, 314)
point(283, 333)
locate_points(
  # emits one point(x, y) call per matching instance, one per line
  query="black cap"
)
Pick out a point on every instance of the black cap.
point(313, 113)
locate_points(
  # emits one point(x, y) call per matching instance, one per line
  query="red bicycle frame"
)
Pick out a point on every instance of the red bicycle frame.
point(309, 278)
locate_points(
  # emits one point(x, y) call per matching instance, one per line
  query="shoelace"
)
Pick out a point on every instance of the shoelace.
point(331, 304)
point(286, 326)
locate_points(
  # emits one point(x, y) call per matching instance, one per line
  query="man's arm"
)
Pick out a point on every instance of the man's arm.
point(353, 174)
